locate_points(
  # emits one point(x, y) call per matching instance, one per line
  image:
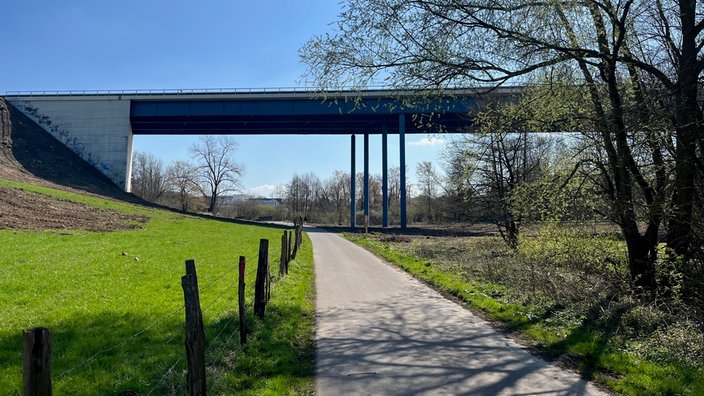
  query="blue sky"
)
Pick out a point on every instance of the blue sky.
point(177, 44)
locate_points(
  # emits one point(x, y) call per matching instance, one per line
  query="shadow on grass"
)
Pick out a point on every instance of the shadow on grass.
point(105, 353)
point(583, 348)
point(275, 358)
point(591, 338)
point(108, 353)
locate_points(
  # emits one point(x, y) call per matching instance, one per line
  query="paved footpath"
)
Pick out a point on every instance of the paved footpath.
point(381, 332)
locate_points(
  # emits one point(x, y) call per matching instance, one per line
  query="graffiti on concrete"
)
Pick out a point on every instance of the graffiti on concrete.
point(64, 135)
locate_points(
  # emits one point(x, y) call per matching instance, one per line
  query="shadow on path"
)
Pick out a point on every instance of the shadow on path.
point(380, 331)
point(415, 351)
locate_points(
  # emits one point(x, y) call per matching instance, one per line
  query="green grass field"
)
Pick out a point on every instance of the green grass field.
point(117, 320)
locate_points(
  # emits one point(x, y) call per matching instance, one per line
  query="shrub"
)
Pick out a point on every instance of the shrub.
point(570, 266)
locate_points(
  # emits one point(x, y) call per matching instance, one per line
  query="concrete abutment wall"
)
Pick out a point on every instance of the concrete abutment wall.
point(97, 128)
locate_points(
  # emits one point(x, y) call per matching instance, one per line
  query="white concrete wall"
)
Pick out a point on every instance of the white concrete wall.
point(97, 128)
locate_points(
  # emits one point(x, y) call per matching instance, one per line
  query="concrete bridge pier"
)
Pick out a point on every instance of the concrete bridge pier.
point(97, 129)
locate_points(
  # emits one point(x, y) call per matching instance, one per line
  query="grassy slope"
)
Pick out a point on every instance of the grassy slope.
point(117, 322)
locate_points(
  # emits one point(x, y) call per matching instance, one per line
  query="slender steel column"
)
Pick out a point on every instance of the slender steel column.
point(384, 177)
point(402, 154)
point(366, 174)
point(353, 187)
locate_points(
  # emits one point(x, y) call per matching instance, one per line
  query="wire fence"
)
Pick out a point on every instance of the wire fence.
point(119, 344)
point(218, 345)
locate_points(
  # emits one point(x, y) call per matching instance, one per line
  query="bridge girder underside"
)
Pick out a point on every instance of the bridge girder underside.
point(340, 124)
point(306, 116)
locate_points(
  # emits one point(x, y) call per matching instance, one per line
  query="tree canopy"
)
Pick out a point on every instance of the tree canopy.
point(629, 68)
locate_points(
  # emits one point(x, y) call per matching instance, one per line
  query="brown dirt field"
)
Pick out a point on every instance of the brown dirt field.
point(31, 155)
point(23, 210)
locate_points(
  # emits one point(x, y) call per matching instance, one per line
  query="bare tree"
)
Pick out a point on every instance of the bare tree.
point(428, 184)
point(375, 193)
point(148, 176)
point(182, 178)
point(338, 189)
point(218, 171)
point(458, 188)
point(303, 193)
point(502, 161)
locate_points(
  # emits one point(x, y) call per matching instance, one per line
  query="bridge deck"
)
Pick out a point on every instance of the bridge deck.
point(293, 111)
point(296, 113)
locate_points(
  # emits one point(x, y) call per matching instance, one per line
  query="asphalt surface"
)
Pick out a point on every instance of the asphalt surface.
point(379, 331)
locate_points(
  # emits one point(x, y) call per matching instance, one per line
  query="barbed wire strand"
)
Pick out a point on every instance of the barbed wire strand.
point(178, 388)
point(123, 342)
point(211, 342)
point(221, 352)
point(206, 287)
point(221, 295)
point(163, 377)
point(170, 369)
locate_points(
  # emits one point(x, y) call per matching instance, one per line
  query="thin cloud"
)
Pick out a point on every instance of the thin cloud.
point(428, 141)
point(264, 190)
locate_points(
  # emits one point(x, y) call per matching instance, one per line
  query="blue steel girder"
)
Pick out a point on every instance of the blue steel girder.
point(296, 115)
point(353, 186)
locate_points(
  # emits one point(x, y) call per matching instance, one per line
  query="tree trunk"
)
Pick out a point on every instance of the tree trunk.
point(679, 235)
point(680, 231)
point(513, 234)
point(688, 120)
point(642, 254)
point(213, 200)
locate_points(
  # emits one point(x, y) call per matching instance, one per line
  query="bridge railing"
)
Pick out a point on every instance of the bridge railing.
point(188, 91)
point(196, 91)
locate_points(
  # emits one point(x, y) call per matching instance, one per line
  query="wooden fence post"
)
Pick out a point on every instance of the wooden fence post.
point(268, 277)
point(284, 249)
point(260, 284)
point(288, 252)
point(195, 335)
point(240, 298)
point(191, 270)
point(297, 242)
point(37, 362)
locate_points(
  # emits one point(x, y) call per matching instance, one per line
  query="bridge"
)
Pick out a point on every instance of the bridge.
point(99, 125)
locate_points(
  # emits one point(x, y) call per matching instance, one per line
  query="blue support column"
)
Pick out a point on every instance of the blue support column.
point(366, 175)
point(402, 154)
point(353, 187)
point(384, 177)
